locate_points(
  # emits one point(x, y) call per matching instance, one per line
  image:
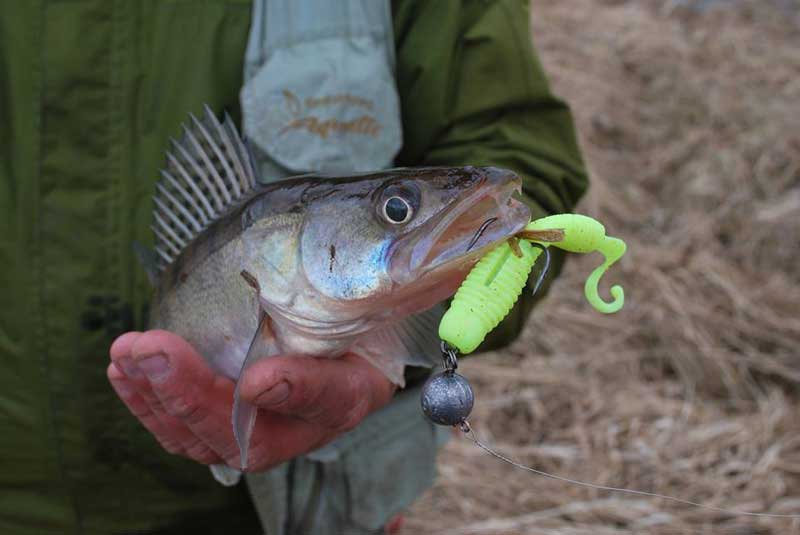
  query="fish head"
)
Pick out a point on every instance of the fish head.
point(399, 242)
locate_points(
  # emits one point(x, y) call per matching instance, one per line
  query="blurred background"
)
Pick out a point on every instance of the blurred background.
point(689, 118)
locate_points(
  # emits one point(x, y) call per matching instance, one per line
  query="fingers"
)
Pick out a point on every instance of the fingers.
point(168, 386)
point(334, 393)
point(170, 433)
point(188, 389)
point(134, 390)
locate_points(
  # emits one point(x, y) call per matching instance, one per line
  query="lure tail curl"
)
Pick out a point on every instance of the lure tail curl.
point(495, 283)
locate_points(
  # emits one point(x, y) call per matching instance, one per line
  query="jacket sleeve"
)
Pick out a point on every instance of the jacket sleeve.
point(473, 92)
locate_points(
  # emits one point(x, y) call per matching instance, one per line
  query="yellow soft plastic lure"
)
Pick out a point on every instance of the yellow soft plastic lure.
point(495, 283)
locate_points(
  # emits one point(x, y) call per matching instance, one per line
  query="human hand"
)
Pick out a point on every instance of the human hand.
point(305, 402)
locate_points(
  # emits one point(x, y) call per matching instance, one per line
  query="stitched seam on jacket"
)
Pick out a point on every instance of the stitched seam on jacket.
point(42, 339)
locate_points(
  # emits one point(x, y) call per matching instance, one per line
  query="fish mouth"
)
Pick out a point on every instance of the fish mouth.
point(477, 221)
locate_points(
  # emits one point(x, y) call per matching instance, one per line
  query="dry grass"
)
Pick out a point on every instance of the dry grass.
point(690, 122)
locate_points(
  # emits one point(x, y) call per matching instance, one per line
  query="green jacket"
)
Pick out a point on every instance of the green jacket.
point(90, 92)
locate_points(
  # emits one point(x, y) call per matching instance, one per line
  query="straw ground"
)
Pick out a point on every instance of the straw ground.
point(689, 117)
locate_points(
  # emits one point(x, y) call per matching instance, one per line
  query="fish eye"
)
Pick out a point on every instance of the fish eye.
point(397, 210)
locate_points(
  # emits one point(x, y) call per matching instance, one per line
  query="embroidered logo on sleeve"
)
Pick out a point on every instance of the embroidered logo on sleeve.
point(312, 114)
point(327, 106)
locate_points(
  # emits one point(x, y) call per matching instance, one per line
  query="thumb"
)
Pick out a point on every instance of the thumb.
point(334, 393)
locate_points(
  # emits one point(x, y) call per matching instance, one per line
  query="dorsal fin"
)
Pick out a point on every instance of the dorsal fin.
point(207, 172)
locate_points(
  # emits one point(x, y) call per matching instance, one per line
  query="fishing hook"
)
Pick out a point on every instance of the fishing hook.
point(545, 268)
point(480, 232)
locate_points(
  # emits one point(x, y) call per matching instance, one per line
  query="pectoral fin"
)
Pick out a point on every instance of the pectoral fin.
point(225, 475)
point(413, 341)
point(244, 413)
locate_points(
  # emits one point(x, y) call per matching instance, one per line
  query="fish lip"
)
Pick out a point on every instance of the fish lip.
point(493, 198)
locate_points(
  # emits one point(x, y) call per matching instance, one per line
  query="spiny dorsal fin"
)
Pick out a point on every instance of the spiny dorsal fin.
point(207, 171)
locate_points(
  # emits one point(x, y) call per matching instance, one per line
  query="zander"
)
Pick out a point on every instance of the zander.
point(316, 265)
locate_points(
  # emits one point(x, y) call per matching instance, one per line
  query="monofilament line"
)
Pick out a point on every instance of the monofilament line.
point(470, 434)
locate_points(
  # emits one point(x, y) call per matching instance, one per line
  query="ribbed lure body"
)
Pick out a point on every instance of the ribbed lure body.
point(495, 283)
point(487, 295)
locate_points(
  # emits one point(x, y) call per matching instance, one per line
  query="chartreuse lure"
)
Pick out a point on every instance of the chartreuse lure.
point(495, 283)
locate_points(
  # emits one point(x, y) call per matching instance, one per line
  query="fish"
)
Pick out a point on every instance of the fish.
point(316, 265)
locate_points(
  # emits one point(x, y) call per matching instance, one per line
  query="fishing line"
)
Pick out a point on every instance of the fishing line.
point(472, 436)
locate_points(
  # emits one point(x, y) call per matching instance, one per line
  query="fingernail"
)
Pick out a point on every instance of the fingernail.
point(274, 395)
point(129, 368)
point(155, 367)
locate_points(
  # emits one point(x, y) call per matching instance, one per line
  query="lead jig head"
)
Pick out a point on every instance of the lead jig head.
point(447, 398)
